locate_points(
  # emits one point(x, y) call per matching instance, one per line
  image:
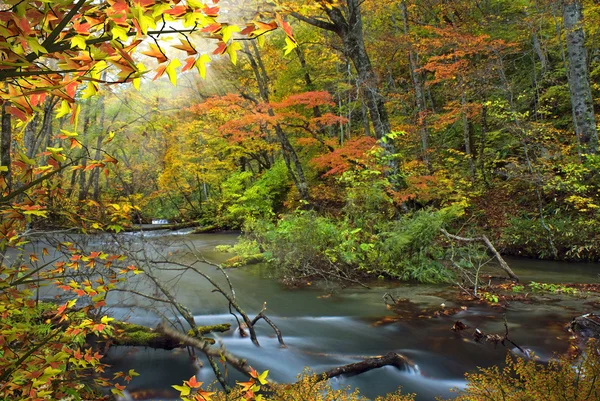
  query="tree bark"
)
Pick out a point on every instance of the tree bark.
point(466, 131)
point(5, 146)
point(579, 80)
point(418, 88)
point(349, 28)
point(292, 162)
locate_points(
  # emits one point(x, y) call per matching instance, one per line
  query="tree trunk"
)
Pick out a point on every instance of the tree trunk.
point(419, 91)
point(5, 146)
point(349, 28)
point(290, 156)
point(354, 47)
point(82, 175)
point(95, 178)
point(579, 81)
point(466, 131)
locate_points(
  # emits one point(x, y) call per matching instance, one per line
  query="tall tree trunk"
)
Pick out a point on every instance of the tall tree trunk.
point(290, 156)
point(34, 141)
point(82, 175)
point(347, 24)
point(418, 88)
point(307, 79)
point(5, 146)
point(579, 80)
point(466, 131)
point(354, 47)
point(95, 178)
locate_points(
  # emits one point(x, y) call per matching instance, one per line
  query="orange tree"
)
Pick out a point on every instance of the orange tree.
point(62, 51)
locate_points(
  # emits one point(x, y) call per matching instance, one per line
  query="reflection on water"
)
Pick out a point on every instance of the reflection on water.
point(325, 332)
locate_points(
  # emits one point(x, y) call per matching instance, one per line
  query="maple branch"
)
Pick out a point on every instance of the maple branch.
point(33, 183)
point(11, 8)
point(15, 73)
point(316, 22)
point(66, 45)
point(390, 359)
point(61, 25)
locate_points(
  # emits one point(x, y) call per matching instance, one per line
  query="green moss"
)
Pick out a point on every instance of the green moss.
point(130, 334)
point(239, 261)
point(224, 248)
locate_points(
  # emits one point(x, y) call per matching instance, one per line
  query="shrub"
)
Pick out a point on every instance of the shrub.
point(527, 380)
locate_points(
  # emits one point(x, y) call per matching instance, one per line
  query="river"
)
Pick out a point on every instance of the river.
point(324, 328)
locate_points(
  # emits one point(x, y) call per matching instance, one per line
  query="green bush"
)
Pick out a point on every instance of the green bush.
point(305, 244)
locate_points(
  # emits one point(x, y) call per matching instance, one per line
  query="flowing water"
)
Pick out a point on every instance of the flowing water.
point(325, 329)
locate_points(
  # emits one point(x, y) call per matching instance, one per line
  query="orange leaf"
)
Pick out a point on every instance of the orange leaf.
point(186, 47)
point(159, 72)
point(189, 63)
point(221, 48)
point(156, 53)
point(212, 28)
point(211, 11)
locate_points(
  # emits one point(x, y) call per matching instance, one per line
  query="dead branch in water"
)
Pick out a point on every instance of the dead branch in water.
point(490, 246)
point(264, 317)
point(496, 339)
point(390, 359)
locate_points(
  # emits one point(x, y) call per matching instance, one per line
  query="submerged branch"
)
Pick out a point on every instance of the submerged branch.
point(352, 369)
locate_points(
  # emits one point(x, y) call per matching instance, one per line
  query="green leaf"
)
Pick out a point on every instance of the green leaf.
point(227, 31)
point(201, 65)
point(137, 81)
point(232, 51)
point(183, 390)
point(118, 32)
point(3, 169)
point(36, 46)
point(89, 91)
point(64, 109)
point(262, 378)
point(79, 42)
point(171, 70)
point(290, 45)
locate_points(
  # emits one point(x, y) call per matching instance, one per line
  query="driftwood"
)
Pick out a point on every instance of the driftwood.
point(490, 246)
point(390, 359)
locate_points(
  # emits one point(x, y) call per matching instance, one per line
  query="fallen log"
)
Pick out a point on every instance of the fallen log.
point(390, 359)
point(135, 335)
point(156, 227)
point(211, 352)
point(503, 265)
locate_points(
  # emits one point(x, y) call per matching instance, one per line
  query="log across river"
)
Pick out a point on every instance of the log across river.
point(325, 330)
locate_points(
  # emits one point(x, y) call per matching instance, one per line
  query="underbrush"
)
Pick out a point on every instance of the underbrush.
point(305, 245)
point(575, 237)
point(527, 380)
